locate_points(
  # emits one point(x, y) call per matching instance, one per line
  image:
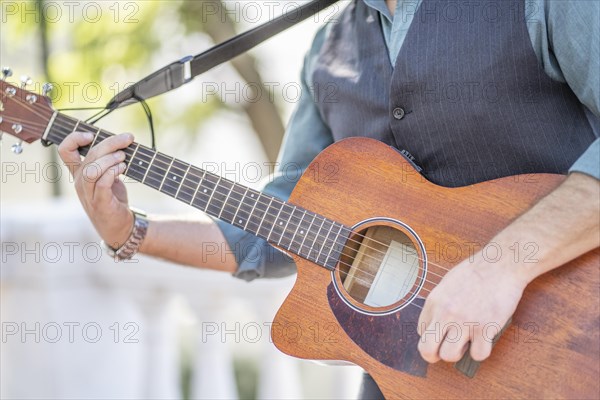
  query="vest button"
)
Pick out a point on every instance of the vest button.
point(398, 113)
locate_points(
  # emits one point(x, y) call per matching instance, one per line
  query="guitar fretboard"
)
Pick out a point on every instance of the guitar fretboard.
point(299, 231)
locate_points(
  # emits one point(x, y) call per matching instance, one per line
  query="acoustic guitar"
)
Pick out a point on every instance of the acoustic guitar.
point(371, 238)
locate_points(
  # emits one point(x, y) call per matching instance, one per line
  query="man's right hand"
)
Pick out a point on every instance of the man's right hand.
point(101, 192)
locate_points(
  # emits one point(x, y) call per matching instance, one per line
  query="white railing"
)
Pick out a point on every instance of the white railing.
point(77, 325)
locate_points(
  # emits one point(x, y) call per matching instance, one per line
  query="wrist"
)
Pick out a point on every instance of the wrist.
point(502, 269)
point(125, 231)
point(131, 245)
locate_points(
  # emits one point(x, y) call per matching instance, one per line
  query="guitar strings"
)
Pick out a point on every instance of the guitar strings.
point(99, 130)
point(321, 218)
point(161, 178)
point(267, 213)
point(308, 256)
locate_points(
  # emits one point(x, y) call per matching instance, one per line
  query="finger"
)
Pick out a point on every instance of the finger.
point(92, 172)
point(109, 145)
point(68, 149)
point(430, 342)
point(103, 193)
point(481, 346)
point(454, 344)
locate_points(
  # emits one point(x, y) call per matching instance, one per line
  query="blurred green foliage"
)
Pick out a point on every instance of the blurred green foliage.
point(104, 47)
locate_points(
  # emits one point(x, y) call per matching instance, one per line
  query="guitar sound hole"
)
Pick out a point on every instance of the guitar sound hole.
point(381, 268)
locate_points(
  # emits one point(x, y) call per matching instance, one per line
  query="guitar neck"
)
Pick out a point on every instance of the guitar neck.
point(299, 231)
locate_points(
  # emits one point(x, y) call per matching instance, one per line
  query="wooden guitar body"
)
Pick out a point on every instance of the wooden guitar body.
point(381, 237)
point(551, 349)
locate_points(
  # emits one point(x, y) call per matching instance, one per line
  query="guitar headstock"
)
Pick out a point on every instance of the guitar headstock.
point(23, 114)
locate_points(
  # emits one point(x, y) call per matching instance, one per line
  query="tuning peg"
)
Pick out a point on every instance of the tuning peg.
point(6, 72)
point(17, 148)
point(25, 80)
point(47, 88)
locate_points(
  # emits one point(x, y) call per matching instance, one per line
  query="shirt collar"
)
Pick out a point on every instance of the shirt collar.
point(380, 6)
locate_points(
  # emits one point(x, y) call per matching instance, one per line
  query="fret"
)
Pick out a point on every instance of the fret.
point(172, 180)
point(225, 201)
point(277, 224)
point(327, 244)
point(335, 250)
point(213, 191)
point(142, 159)
point(251, 211)
point(55, 128)
point(190, 185)
point(296, 231)
point(148, 168)
point(306, 232)
point(193, 199)
point(219, 202)
point(49, 126)
point(254, 195)
point(84, 150)
point(156, 170)
point(181, 182)
point(75, 127)
point(166, 175)
point(315, 240)
point(207, 186)
point(137, 166)
point(130, 161)
point(235, 219)
point(285, 228)
point(95, 136)
point(264, 216)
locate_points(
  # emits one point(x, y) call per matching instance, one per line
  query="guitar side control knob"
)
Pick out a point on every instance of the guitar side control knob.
point(6, 72)
point(17, 148)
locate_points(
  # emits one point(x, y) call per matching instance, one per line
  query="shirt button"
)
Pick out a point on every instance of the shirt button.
point(398, 113)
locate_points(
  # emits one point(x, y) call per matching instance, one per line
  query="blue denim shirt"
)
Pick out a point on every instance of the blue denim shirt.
point(565, 36)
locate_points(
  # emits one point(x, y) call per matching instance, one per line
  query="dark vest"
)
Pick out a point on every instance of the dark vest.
point(467, 97)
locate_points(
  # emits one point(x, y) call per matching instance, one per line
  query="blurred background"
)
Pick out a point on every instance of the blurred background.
point(75, 324)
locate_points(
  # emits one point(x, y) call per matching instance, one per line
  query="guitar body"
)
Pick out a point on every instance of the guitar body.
point(551, 349)
point(361, 299)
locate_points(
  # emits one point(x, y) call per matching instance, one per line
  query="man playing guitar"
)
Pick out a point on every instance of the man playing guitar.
point(444, 87)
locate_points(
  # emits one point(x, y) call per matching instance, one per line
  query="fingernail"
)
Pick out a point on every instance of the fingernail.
point(120, 155)
point(88, 136)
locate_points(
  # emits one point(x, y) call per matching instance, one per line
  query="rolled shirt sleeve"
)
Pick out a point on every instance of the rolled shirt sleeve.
point(573, 56)
point(306, 136)
point(589, 162)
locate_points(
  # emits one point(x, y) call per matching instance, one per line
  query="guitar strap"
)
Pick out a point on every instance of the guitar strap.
point(182, 71)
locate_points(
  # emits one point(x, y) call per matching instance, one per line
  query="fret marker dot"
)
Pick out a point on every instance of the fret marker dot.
point(302, 232)
point(140, 163)
point(280, 223)
point(204, 190)
point(240, 221)
point(252, 195)
point(174, 178)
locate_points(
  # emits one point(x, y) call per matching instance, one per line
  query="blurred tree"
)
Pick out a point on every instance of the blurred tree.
point(90, 52)
point(263, 114)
